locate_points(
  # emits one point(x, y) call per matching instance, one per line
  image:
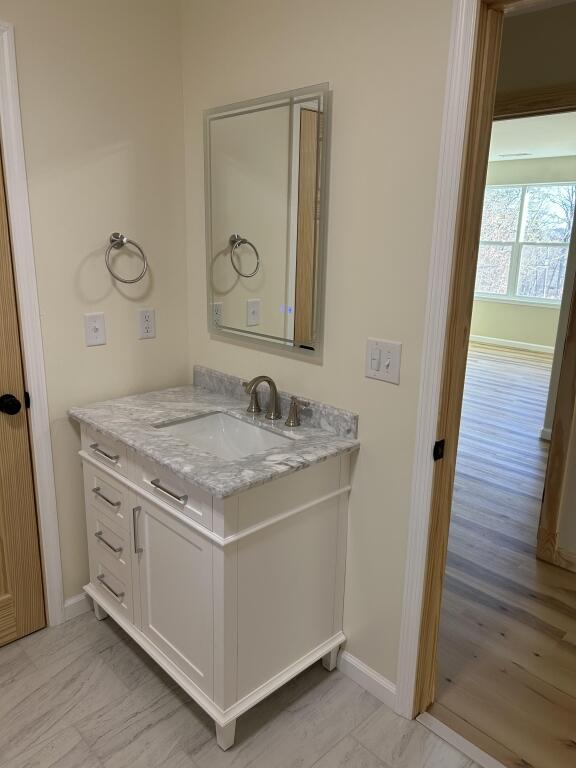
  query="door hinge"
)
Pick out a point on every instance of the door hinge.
point(27, 399)
point(438, 452)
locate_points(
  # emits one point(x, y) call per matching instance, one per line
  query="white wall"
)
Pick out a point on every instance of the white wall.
point(386, 63)
point(100, 88)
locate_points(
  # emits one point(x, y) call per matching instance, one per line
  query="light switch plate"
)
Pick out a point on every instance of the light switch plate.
point(146, 324)
point(253, 312)
point(383, 360)
point(94, 329)
point(217, 312)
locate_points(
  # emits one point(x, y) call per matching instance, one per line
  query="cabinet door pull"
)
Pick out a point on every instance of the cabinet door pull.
point(158, 485)
point(135, 512)
point(97, 492)
point(96, 448)
point(100, 536)
point(118, 595)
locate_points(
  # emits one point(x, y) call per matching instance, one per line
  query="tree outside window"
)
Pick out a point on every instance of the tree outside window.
point(524, 241)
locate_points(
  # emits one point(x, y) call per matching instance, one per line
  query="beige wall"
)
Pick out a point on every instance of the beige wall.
point(100, 88)
point(524, 323)
point(538, 49)
point(386, 63)
point(510, 321)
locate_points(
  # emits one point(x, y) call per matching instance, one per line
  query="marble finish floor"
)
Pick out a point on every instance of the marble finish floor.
point(83, 695)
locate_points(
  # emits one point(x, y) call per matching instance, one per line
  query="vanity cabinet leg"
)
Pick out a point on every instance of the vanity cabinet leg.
point(100, 613)
point(225, 735)
point(329, 661)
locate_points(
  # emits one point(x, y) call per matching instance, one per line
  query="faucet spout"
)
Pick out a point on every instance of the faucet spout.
point(273, 411)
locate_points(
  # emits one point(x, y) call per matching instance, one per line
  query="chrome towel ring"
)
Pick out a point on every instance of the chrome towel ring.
point(236, 241)
point(117, 241)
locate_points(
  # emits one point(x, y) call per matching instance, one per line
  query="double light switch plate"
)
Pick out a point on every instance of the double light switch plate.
point(383, 360)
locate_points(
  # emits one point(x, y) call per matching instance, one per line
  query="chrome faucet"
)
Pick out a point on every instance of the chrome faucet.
point(273, 410)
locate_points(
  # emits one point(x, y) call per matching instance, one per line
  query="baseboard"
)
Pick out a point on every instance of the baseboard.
point(546, 434)
point(76, 605)
point(380, 687)
point(512, 344)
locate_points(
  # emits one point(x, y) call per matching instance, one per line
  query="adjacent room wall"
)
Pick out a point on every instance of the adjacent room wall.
point(386, 63)
point(521, 323)
point(538, 49)
point(100, 90)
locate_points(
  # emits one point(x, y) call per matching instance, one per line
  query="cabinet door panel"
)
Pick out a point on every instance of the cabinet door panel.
point(175, 576)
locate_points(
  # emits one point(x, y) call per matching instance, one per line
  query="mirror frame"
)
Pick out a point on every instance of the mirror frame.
point(248, 338)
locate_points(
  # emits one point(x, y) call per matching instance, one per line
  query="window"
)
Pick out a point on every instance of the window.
point(524, 241)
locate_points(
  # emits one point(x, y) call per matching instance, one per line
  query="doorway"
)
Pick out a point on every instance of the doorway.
point(21, 588)
point(419, 697)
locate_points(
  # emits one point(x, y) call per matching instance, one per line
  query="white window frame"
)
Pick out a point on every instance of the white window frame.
point(511, 297)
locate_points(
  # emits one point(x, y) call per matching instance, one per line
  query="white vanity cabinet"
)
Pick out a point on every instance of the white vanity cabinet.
point(231, 596)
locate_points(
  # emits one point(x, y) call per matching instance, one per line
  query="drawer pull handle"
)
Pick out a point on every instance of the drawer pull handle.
point(158, 485)
point(118, 595)
point(100, 536)
point(100, 495)
point(96, 448)
point(137, 548)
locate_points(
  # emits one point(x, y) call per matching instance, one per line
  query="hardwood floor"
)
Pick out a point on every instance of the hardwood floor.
point(507, 660)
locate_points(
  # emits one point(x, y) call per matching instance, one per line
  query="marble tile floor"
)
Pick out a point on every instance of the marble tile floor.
point(83, 695)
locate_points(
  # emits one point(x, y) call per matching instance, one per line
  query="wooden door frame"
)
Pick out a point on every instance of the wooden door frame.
point(468, 115)
point(30, 328)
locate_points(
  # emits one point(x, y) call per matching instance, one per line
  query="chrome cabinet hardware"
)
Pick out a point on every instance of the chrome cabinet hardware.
point(96, 448)
point(135, 512)
point(118, 595)
point(293, 419)
point(100, 536)
point(158, 485)
point(97, 492)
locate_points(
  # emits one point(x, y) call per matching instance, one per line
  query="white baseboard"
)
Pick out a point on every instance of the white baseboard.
point(380, 687)
point(546, 434)
point(512, 344)
point(458, 742)
point(76, 605)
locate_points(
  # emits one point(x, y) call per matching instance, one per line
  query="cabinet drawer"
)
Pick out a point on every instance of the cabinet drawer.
point(167, 487)
point(106, 495)
point(110, 554)
point(112, 586)
point(109, 452)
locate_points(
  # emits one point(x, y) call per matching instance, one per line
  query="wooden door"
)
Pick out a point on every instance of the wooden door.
point(308, 199)
point(21, 591)
point(175, 584)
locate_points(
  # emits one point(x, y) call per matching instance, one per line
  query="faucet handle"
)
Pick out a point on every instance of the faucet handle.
point(254, 406)
point(293, 419)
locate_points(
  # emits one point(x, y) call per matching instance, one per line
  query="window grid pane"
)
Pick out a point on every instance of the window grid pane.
point(523, 227)
point(493, 269)
point(542, 270)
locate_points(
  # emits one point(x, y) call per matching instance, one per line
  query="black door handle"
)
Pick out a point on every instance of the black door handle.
point(10, 404)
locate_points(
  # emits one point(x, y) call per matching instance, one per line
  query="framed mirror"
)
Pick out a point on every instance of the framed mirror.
point(266, 202)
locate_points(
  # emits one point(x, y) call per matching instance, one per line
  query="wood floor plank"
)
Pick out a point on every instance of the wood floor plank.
point(507, 659)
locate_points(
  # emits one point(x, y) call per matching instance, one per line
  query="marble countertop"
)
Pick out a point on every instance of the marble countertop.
point(133, 420)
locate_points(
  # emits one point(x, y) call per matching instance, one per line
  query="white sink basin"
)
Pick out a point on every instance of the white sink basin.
point(225, 436)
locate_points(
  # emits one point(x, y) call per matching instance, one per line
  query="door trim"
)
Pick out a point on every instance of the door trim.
point(30, 326)
point(467, 29)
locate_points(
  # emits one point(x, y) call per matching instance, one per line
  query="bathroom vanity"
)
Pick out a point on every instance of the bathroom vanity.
point(217, 539)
